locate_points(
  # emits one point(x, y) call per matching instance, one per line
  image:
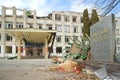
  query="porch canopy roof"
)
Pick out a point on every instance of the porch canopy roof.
point(32, 35)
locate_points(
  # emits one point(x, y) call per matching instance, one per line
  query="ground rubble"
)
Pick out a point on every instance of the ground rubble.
point(68, 70)
point(89, 70)
point(77, 70)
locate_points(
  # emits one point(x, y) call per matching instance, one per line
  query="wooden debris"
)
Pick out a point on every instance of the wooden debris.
point(68, 65)
point(57, 59)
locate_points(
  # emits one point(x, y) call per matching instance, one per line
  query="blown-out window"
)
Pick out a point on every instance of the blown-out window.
point(58, 17)
point(74, 18)
point(58, 28)
point(8, 37)
point(0, 24)
point(66, 18)
point(19, 25)
point(75, 29)
point(58, 50)
point(8, 49)
point(67, 38)
point(9, 25)
point(49, 27)
point(58, 38)
point(118, 40)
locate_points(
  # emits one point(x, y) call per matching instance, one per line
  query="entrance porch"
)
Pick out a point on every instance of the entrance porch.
point(36, 42)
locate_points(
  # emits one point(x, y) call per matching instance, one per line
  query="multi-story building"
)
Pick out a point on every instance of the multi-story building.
point(67, 24)
point(117, 21)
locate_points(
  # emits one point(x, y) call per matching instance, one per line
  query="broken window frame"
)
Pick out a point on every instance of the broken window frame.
point(58, 50)
point(66, 18)
point(8, 25)
point(58, 17)
point(75, 29)
point(67, 39)
point(19, 25)
point(58, 28)
point(74, 18)
point(58, 38)
point(8, 37)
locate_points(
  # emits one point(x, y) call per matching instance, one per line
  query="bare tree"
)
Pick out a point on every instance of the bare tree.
point(106, 6)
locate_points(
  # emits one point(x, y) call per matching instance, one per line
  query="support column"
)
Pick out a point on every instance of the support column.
point(14, 17)
point(46, 49)
point(54, 50)
point(13, 50)
point(25, 18)
point(34, 24)
point(2, 50)
point(24, 50)
point(19, 49)
point(2, 31)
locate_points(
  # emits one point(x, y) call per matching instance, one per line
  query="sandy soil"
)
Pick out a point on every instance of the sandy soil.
point(40, 73)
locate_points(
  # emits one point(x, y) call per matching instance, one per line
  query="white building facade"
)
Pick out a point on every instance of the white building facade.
point(67, 24)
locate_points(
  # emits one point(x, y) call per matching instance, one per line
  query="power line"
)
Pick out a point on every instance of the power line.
point(111, 8)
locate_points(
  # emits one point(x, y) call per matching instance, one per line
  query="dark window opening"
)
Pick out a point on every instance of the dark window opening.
point(58, 38)
point(66, 18)
point(40, 26)
point(66, 38)
point(8, 49)
point(9, 25)
point(75, 29)
point(0, 49)
point(0, 36)
point(19, 25)
point(31, 26)
point(57, 17)
point(74, 18)
point(59, 50)
point(0, 25)
point(30, 16)
point(50, 28)
point(8, 38)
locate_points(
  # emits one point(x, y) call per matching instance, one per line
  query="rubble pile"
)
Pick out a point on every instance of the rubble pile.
point(71, 66)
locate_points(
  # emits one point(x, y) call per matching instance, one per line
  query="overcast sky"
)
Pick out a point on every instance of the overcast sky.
point(44, 7)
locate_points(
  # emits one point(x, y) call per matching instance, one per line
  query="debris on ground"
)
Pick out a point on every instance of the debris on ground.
point(57, 59)
point(71, 66)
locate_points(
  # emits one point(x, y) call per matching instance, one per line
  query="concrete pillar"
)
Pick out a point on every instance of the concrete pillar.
point(19, 49)
point(54, 50)
point(25, 18)
point(34, 24)
point(46, 48)
point(3, 11)
point(62, 18)
point(63, 40)
point(3, 23)
point(24, 50)
point(2, 32)
point(14, 50)
point(2, 50)
point(14, 17)
point(70, 18)
point(53, 17)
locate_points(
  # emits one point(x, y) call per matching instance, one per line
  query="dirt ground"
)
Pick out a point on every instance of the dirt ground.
point(40, 70)
point(40, 74)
